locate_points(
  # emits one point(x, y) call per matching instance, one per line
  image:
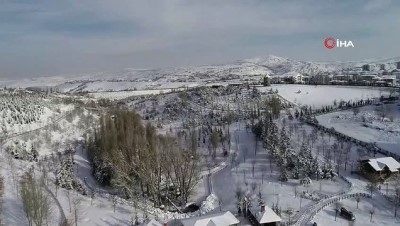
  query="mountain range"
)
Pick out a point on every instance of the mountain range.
point(137, 79)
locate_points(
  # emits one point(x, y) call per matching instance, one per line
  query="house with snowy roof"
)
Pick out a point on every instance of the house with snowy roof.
point(264, 216)
point(379, 168)
point(217, 219)
point(151, 222)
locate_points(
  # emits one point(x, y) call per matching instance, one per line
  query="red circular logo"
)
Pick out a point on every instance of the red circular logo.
point(330, 42)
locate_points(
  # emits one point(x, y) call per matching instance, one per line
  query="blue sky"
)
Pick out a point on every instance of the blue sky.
point(51, 37)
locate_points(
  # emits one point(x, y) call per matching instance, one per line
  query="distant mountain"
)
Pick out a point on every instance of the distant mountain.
point(281, 65)
point(243, 70)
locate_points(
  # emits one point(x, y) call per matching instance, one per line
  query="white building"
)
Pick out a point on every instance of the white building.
point(385, 163)
point(265, 216)
point(218, 219)
point(290, 77)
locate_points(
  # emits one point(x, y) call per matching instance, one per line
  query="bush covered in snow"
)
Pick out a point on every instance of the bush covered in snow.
point(211, 202)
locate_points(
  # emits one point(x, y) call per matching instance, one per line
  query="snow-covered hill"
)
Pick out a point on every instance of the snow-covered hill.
point(138, 79)
point(281, 65)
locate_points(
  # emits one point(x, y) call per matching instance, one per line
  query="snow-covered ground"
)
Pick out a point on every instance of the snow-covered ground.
point(240, 175)
point(227, 175)
point(25, 112)
point(12, 211)
point(383, 215)
point(318, 96)
point(54, 136)
point(242, 70)
point(368, 125)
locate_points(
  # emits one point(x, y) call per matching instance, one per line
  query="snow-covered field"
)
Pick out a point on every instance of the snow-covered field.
point(368, 125)
point(318, 96)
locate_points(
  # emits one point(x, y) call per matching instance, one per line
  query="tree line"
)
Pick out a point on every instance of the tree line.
point(132, 157)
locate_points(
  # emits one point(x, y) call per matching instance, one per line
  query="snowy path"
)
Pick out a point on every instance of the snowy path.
point(83, 171)
point(358, 189)
point(61, 210)
point(313, 210)
point(223, 182)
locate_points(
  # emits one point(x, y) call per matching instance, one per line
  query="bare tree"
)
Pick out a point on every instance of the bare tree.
point(12, 170)
point(255, 145)
point(253, 164)
point(290, 213)
point(114, 202)
point(371, 187)
point(253, 187)
point(92, 196)
point(371, 212)
point(68, 194)
point(239, 193)
point(215, 139)
point(245, 152)
point(358, 199)
point(35, 201)
point(396, 200)
point(338, 205)
point(77, 213)
point(263, 172)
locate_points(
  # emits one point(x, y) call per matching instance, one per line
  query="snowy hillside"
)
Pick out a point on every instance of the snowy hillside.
point(281, 65)
point(21, 112)
point(139, 79)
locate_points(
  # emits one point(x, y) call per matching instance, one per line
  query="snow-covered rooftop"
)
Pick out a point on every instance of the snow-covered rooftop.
point(218, 219)
point(379, 163)
point(267, 216)
point(151, 222)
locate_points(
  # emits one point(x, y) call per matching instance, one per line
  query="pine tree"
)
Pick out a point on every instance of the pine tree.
point(284, 175)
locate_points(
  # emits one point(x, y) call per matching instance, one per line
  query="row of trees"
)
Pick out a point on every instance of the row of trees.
point(131, 156)
point(297, 164)
point(36, 202)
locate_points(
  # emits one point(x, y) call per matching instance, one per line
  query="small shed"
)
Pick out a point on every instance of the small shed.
point(379, 168)
point(264, 216)
point(218, 219)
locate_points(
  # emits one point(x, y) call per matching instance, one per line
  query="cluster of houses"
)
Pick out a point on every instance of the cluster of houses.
point(364, 76)
point(260, 216)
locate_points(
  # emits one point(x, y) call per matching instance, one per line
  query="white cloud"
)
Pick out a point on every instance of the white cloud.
point(376, 5)
point(50, 37)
